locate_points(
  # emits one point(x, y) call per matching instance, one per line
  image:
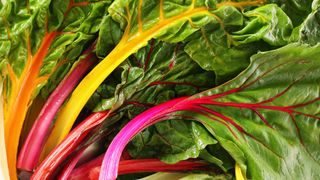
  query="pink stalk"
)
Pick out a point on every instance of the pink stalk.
point(91, 169)
point(111, 160)
point(30, 152)
point(68, 145)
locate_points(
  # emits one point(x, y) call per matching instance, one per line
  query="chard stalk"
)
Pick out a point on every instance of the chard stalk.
point(29, 154)
point(91, 169)
point(68, 145)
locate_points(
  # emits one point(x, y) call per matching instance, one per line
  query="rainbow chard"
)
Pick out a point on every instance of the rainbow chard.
point(142, 20)
point(39, 43)
point(267, 118)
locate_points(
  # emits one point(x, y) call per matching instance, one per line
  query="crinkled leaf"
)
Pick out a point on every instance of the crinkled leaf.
point(171, 141)
point(110, 34)
point(297, 10)
point(268, 117)
point(310, 29)
point(155, 74)
point(211, 50)
point(268, 23)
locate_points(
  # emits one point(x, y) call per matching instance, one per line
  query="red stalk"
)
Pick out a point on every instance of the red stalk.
point(91, 169)
point(68, 168)
point(68, 145)
point(31, 150)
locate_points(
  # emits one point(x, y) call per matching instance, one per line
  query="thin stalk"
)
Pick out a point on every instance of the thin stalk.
point(68, 145)
point(29, 155)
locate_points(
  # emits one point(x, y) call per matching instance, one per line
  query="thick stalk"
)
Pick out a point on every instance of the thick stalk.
point(30, 152)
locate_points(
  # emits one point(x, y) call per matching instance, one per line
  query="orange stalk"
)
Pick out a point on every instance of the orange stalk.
point(20, 100)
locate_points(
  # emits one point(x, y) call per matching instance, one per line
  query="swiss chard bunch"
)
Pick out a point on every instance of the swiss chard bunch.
point(243, 73)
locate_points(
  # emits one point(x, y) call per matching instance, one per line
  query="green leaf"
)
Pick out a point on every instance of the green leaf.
point(310, 29)
point(210, 48)
point(171, 141)
point(110, 34)
point(155, 74)
point(270, 114)
point(139, 16)
point(297, 10)
point(268, 23)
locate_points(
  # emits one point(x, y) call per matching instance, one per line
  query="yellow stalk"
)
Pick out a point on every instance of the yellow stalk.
point(239, 175)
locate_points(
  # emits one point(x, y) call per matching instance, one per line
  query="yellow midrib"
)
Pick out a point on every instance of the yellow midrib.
point(90, 83)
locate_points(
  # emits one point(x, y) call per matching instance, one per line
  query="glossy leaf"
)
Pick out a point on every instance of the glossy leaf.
point(297, 10)
point(310, 29)
point(172, 141)
point(268, 23)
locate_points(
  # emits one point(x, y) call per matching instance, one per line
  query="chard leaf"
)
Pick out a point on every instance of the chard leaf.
point(268, 23)
point(167, 20)
point(297, 10)
point(155, 74)
point(310, 29)
point(171, 141)
point(267, 118)
point(110, 34)
point(210, 48)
